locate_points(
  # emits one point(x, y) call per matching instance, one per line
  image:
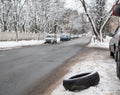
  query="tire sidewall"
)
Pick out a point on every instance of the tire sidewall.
point(82, 82)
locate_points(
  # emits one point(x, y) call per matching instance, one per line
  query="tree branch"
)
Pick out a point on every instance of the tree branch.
point(89, 17)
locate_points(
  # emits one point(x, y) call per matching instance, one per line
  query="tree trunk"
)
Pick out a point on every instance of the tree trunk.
point(16, 32)
point(97, 32)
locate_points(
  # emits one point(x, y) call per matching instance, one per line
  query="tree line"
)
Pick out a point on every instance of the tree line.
point(37, 16)
point(52, 16)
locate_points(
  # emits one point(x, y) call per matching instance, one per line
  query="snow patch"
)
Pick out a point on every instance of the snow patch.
point(12, 44)
point(96, 61)
point(96, 43)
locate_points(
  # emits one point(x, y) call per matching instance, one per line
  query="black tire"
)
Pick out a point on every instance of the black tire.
point(112, 54)
point(118, 69)
point(116, 56)
point(81, 81)
point(54, 42)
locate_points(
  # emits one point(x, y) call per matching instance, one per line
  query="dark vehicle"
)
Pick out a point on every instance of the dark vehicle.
point(114, 44)
point(65, 38)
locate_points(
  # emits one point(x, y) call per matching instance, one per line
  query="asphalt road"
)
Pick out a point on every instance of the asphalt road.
point(23, 68)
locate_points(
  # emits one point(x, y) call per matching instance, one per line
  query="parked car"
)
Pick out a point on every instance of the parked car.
point(51, 38)
point(65, 38)
point(114, 47)
point(115, 41)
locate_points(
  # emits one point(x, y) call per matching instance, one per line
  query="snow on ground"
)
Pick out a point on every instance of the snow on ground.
point(95, 61)
point(95, 43)
point(13, 44)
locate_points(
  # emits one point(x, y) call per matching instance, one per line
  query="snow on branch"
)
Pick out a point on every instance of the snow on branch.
point(98, 31)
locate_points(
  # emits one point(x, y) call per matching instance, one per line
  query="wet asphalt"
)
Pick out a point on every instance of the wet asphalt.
point(22, 68)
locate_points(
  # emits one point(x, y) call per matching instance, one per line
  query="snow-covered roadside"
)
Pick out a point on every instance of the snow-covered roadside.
point(13, 44)
point(95, 61)
point(105, 44)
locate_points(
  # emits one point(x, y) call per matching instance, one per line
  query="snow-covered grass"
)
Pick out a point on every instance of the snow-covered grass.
point(13, 44)
point(101, 62)
point(95, 43)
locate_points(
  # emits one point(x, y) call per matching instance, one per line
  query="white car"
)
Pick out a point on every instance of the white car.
point(51, 38)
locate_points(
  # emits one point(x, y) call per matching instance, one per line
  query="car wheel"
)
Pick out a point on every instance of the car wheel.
point(118, 69)
point(116, 56)
point(111, 54)
point(55, 42)
point(81, 81)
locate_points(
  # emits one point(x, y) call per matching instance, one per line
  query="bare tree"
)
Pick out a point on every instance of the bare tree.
point(36, 16)
point(5, 13)
point(97, 31)
point(17, 7)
